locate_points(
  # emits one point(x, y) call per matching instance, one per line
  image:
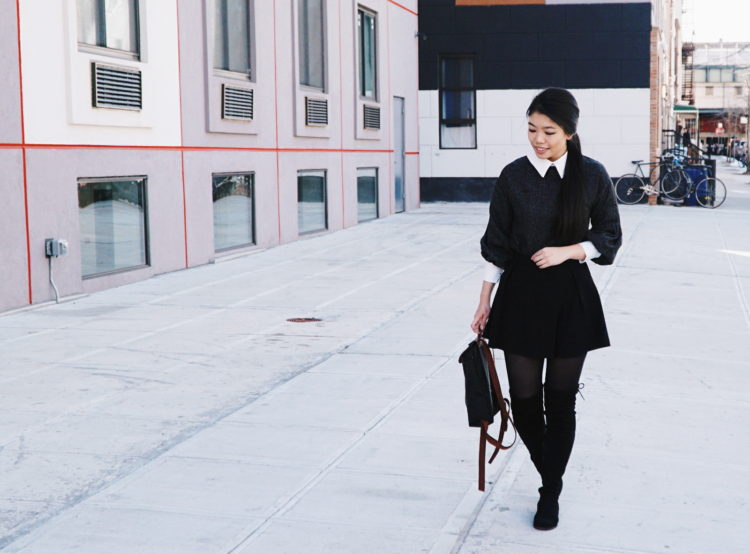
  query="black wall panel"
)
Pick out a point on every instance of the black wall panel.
point(532, 47)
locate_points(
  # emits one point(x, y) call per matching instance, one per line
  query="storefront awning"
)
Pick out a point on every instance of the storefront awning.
point(684, 108)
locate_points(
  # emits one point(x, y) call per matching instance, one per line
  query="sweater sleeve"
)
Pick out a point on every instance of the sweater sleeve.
point(495, 244)
point(605, 232)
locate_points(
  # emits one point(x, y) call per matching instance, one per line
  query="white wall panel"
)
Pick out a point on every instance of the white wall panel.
point(425, 160)
point(429, 131)
point(494, 130)
point(57, 80)
point(624, 101)
point(458, 163)
point(614, 129)
point(503, 103)
point(600, 130)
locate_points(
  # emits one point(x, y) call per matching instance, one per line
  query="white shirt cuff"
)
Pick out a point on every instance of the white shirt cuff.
point(492, 272)
point(590, 250)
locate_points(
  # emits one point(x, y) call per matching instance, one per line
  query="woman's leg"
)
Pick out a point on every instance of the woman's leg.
point(525, 379)
point(560, 389)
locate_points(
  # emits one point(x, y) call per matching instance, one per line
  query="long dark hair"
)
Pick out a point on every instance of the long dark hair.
point(561, 107)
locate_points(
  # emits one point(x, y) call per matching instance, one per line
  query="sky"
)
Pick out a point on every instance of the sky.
point(716, 19)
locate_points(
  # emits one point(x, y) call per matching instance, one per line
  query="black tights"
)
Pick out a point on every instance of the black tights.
point(547, 427)
point(525, 374)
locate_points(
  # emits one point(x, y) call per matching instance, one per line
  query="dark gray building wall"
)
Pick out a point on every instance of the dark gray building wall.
point(529, 47)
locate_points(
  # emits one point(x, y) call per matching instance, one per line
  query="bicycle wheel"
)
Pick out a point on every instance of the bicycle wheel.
point(630, 189)
point(657, 172)
point(675, 184)
point(710, 192)
point(658, 178)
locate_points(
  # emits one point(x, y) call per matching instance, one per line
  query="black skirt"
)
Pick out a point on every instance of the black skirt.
point(546, 313)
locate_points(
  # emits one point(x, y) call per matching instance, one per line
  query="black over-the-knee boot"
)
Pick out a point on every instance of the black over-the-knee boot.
point(528, 416)
point(558, 443)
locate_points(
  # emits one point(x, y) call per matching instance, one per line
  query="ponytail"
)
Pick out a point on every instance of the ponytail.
point(571, 217)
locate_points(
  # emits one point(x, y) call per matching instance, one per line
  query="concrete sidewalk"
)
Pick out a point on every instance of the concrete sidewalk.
point(186, 414)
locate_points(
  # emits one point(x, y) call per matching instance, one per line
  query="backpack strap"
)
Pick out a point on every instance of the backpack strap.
point(505, 418)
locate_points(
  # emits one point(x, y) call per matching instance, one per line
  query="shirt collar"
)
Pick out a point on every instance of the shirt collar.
point(542, 165)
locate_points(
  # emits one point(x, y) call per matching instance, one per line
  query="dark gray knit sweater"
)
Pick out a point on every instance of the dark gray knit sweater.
point(524, 207)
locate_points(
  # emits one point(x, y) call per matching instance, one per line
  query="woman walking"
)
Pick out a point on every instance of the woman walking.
point(551, 211)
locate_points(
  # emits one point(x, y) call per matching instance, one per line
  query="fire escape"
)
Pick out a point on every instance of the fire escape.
point(688, 95)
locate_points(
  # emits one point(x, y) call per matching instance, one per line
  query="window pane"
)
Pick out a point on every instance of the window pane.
point(457, 136)
point(231, 35)
point(87, 21)
point(709, 91)
point(113, 225)
point(457, 73)
point(121, 24)
point(311, 43)
point(714, 74)
point(233, 211)
point(367, 193)
point(238, 35)
point(311, 201)
point(220, 45)
point(457, 105)
point(727, 74)
point(367, 69)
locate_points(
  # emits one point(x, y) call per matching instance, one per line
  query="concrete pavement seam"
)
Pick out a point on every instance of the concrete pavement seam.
point(735, 274)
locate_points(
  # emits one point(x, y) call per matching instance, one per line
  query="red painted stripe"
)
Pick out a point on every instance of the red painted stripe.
point(23, 150)
point(182, 134)
point(276, 117)
point(186, 148)
point(412, 153)
point(403, 7)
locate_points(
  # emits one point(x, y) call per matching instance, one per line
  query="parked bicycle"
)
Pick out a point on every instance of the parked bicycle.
point(632, 187)
point(674, 183)
point(709, 192)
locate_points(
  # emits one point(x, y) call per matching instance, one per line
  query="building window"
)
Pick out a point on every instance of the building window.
point(113, 219)
point(367, 193)
point(709, 91)
point(311, 201)
point(738, 91)
point(366, 30)
point(234, 216)
point(232, 35)
point(458, 124)
point(727, 75)
point(311, 43)
point(699, 75)
point(109, 24)
point(713, 75)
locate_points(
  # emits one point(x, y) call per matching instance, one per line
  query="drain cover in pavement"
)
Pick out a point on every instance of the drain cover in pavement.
point(303, 319)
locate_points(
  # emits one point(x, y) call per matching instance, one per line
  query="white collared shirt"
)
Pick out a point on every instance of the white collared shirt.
point(492, 272)
point(543, 164)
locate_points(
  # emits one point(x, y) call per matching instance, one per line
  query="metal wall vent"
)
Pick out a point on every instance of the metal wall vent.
point(236, 103)
point(116, 87)
point(316, 111)
point(372, 117)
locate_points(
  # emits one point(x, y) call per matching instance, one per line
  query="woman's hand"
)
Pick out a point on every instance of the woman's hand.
point(481, 316)
point(555, 255)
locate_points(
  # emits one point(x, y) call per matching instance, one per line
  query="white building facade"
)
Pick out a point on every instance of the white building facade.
point(158, 135)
